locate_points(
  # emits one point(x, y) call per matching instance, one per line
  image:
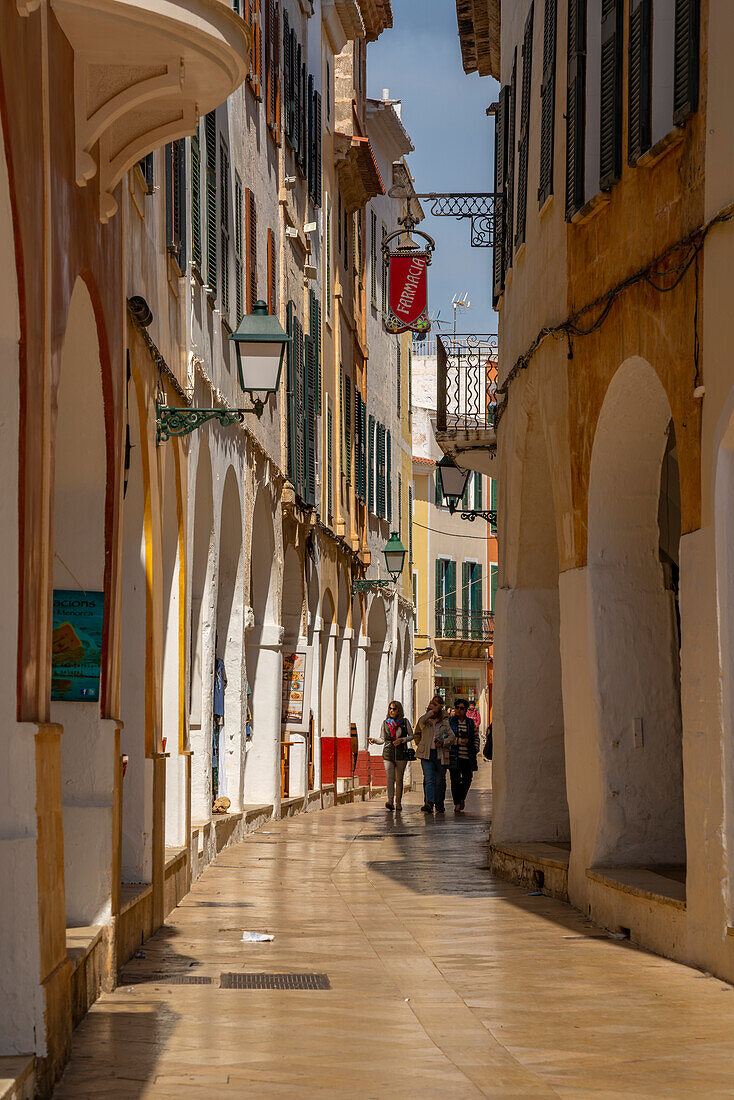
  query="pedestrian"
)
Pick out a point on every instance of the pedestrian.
point(433, 739)
point(472, 711)
point(463, 754)
point(395, 735)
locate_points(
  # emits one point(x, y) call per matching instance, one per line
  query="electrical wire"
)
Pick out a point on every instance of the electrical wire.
point(451, 534)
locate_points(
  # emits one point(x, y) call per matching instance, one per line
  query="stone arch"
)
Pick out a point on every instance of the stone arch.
point(264, 660)
point(202, 626)
point(293, 598)
point(633, 542)
point(328, 662)
point(137, 785)
point(80, 565)
point(344, 655)
point(172, 649)
point(292, 617)
point(227, 754)
point(530, 801)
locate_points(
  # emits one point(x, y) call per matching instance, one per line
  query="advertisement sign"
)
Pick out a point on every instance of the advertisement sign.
point(408, 292)
point(296, 684)
point(76, 646)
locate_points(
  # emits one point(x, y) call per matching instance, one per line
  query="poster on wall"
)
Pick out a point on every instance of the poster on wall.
point(296, 685)
point(76, 653)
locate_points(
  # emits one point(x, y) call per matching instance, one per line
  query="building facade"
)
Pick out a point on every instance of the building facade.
point(184, 627)
point(612, 746)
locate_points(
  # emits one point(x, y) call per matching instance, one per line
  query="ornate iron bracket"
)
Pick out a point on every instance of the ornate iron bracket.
point(362, 585)
point(481, 208)
point(490, 517)
point(174, 421)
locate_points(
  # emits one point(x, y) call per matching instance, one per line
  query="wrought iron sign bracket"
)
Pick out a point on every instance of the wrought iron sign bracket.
point(481, 208)
point(362, 585)
point(175, 421)
point(490, 517)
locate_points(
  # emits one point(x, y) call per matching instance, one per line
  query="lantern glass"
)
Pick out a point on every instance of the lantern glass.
point(261, 342)
point(394, 556)
point(453, 481)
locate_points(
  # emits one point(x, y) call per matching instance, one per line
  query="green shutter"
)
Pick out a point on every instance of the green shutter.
point(493, 502)
point(291, 397)
point(685, 69)
point(610, 98)
point(348, 426)
point(439, 490)
point(639, 108)
point(195, 202)
point(311, 405)
point(524, 143)
point(330, 462)
point(465, 594)
point(500, 160)
point(210, 136)
point(388, 474)
point(575, 107)
point(371, 464)
point(410, 524)
point(493, 573)
point(478, 492)
point(509, 189)
point(450, 631)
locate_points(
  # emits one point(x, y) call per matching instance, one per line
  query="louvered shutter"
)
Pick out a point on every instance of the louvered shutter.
point(272, 90)
point(380, 472)
point(388, 473)
point(465, 594)
point(303, 136)
point(524, 142)
point(272, 297)
point(348, 427)
point(311, 152)
point(363, 415)
point(300, 409)
point(175, 198)
point(493, 577)
point(251, 247)
point(450, 599)
point(476, 589)
point(500, 159)
point(224, 227)
point(509, 188)
point(640, 71)
point(239, 268)
point(287, 76)
point(478, 492)
point(317, 147)
point(311, 406)
point(195, 202)
point(575, 107)
point(548, 102)
point(330, 462)
point(314, 327)
point(610, 95)
point(438, 580)
point(685, 68)
point(371, 464)
point(210, 136)
point(297, 105)
point(291, 394)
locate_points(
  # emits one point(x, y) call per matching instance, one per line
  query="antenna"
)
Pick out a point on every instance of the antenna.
point(460, 303)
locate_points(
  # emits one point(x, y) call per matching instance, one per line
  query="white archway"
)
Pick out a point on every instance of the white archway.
point(203, 603)
point(228, 770)
point(633, 539)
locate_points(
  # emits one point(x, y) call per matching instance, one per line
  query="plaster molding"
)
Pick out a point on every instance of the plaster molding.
point(25, 7)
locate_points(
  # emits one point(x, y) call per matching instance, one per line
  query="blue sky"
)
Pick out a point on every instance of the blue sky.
point(419, 60)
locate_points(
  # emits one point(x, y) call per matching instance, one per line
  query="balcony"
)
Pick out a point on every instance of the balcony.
point(467, 634)
point(144, 71)
point(466, 398)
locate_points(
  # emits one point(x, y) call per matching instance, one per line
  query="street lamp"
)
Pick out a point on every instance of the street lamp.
point(261, 342)
point(394, 556)
point(394, 560)
point(452, 481)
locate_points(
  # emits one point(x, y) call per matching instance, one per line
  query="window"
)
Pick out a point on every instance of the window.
point(348, 427)
point(493, 575)
point(339, 223)
point(146, 167)
point(610, 96)
point(175, 162)
point(509, 187)
point(471, 598)
point(251, 247)
point(500, 169)
point(445, 598)
point(272, 68)
point(477, 492)
point(380, 470)
point(373, 258)
point(195, 202)
point(685, 76)
point(548, 102)
point(272, 275)
point(371, 464)
point(239, 265)
point(523, 146)
point(255, 74)
point(210, 136)
point(301, 409)
point(314, 144)
point(224, 225)
point(314, 328)
point(388, 475)
point(575, 107)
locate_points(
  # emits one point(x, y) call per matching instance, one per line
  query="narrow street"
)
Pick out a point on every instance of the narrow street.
point(443, 981)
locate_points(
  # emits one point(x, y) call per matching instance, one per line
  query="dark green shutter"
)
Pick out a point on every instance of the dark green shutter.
point(493, 575)
point(509, 188)
point(500, 159)
point(548, 102)
point(291, 396)
point(450, 600)
point(639, 84)
point(195, 202)
point(224, 228)
point(317, 147)
point(438, 596)
point(371, 464)
point(314, 328)
point(575, 107)
point(478, 492)
point(300, 409)
point(388, 474)
point(465, 594)
point(348, 427)
point(476, 591)
point(363, 421)
point(685, 69)
point(210, 136)
point(330, 462)
point(380, 471)
point(311, 406)
point(524, 142)
point(610, 98)
point(439, 489)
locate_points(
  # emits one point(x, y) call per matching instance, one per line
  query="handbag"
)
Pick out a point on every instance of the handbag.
point(410, 754)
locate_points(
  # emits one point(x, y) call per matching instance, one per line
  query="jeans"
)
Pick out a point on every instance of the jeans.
point(434, 775)
point(395, 770)
point(461, 777)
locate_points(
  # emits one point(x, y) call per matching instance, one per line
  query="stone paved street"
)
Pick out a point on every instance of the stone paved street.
point(444, 981)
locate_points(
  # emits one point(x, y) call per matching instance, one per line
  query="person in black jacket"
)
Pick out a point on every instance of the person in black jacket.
point(463, 758)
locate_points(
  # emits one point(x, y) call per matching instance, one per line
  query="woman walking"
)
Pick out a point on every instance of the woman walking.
point(433, 740)
point(395, 735)
point(463, 756)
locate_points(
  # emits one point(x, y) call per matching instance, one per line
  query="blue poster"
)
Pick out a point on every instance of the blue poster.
point(76, 658)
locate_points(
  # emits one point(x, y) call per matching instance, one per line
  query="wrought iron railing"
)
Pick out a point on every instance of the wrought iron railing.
point(465, 626)
point(466, 382)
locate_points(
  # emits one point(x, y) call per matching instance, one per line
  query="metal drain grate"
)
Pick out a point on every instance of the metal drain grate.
point(382, 836)
point(166, 979)
point(274, 981)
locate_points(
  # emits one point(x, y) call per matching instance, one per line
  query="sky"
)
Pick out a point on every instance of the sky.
point(419, 61)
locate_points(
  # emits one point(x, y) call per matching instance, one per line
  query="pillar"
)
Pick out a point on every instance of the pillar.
point(265, 674)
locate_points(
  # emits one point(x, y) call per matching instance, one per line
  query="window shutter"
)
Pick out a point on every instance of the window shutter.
point(493, 503)
point(239, 266)
point(272, 90)
point(451, 586)
point(465, 585)
point(317, 147)
point(341, 420)
point(304, 133)
point(272, 294)
point(500, 158)
point(478, 492)
point(300, 409)
point(224, 226)
point(639, 90)
point(251, 247)
point(314, 327)
point(330, 462)
point(524, 143)
point(287, 76)
point(311, 408)
point(146, 167)
point(476, 588)
point(371, 464)
point(195, 202)
point(439, 489)
point(327, 246)
point(685, 67)
point(373, 257)
point(610, 94)
point(509, 188)
point(438, 593)
point(380, 471)
point(348, 427)
point(210, 136)
point(548, 102)
point(410, 524)
point(388, 473)
point(385, 276)
point(291, 395)
point(364, 450)
point(255, 74)
point(296, 57)
point(575, 107)
point(311, 152)
point(493, 574)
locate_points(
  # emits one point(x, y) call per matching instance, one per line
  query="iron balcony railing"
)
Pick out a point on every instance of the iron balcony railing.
point(465, 626)
point(466, 382)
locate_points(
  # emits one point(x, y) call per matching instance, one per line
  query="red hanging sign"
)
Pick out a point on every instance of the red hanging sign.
point(408, 292)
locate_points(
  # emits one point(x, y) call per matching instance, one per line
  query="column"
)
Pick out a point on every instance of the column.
point(265, 675)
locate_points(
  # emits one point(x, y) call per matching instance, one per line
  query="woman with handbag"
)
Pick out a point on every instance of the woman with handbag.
point(395, 734)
